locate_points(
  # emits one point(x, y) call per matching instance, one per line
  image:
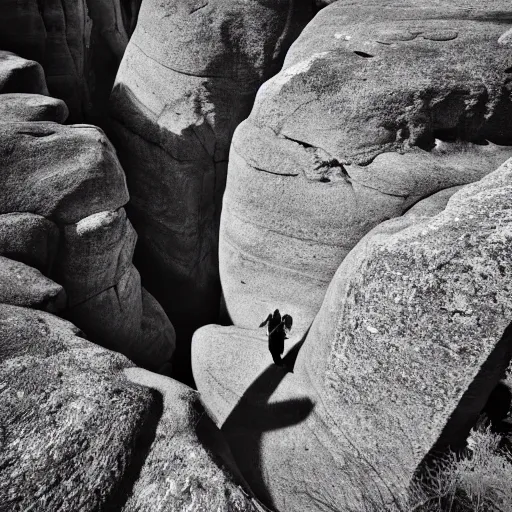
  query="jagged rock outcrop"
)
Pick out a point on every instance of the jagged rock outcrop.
point(188, 77)
point(379, 104)
point(76, 432)
point(20, 75)
point(67, 179)
point(31, 107)
point(78, 43)
point(413, 335)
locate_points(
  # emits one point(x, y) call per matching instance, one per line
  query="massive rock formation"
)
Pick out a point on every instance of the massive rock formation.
point(379, 104)
point(76, 432)
point(78, 43)
point(62, 190)
point(189, 76)
point(412, 337)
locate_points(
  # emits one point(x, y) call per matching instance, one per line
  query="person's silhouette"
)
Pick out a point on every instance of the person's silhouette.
point(277, 328)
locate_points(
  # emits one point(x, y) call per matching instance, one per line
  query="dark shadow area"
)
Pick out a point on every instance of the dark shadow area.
point(254, 415)
point(141, 447)
point(363, 54)
point(497, 407)
point(187, 305)
point(211, 438)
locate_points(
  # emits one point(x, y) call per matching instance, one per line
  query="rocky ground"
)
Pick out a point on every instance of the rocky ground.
point(173, 171)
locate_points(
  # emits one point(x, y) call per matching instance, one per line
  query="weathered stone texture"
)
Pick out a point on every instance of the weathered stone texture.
point(31, 107)
point(412, 336)
point(79, 44)
point(379, 104)
point(71, 176)
point(189, 76)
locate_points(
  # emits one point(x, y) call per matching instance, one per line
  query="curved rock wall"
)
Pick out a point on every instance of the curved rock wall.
point(412, 337)
point(79, 43)
point(189, 76)
point(379, 104)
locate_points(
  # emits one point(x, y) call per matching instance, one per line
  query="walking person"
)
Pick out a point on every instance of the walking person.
point(277, 328)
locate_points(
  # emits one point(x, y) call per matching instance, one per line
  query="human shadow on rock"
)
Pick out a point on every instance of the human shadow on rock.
point(254, 415)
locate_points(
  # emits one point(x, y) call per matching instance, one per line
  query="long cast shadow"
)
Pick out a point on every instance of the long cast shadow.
point(254, 415)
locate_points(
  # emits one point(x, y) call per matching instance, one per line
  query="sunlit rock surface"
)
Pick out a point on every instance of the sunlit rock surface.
point(410, 340)
point(379, 104)
point(82, 430)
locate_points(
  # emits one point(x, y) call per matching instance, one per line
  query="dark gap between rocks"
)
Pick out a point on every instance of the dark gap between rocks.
point(141, 449)
point(364, 54)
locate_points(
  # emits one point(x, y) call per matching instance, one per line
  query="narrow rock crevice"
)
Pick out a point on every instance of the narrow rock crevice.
point(141, 449)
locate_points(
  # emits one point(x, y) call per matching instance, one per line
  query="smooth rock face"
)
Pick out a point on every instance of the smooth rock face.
point(412, 337)
point(29, 238)
point(20, 75)
point(31, 107)
point(21, 285)
point(179, 472)
point(70, 419)
point(79, 43)
point(372, 111)
point(189, 76)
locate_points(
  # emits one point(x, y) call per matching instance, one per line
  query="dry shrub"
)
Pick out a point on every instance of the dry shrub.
point(480, 481)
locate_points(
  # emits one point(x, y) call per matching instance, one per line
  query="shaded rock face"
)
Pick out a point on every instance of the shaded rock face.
point(82, 431)
point(372, 111)
point(189, 76)
point(20, 75)
point(69, 188)
point(413, 335)
point(78, 43)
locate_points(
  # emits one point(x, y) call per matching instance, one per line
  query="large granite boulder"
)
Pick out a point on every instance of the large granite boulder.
point(70, 419)
point(64, 173)
point(20, 75)
point(70, 175)
point(379, 104)
point(78, 43)
point(413, 335)
point(188, 77)
point(81, 431)
point(31, 107)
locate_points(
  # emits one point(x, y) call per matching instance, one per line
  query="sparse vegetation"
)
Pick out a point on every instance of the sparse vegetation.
point(479, 481)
